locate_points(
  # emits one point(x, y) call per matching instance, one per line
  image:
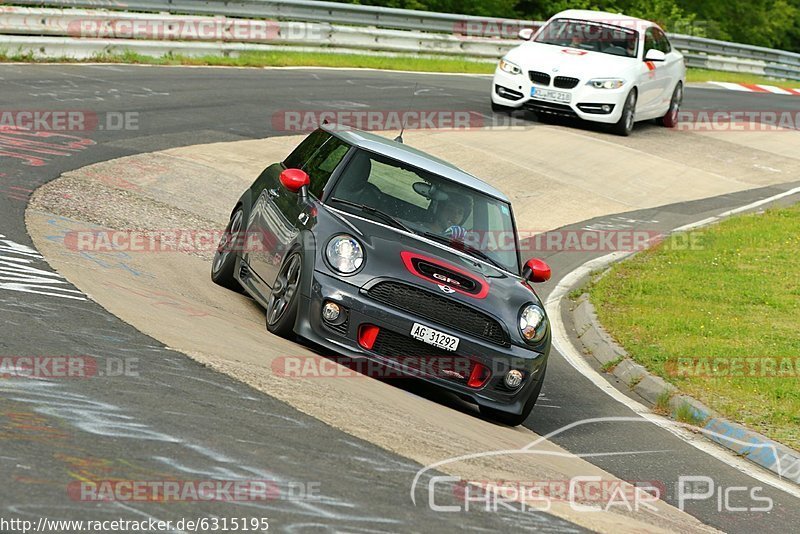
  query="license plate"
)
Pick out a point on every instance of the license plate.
point(550, 95)
point(434, 337)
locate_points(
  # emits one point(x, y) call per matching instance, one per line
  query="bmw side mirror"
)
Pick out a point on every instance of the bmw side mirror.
point(655, 55)
point(296, 181)
point(536, 271)
point(525, 34)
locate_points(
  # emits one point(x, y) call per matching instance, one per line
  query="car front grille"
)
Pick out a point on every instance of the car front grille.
point(421, 358)
point(565, 82)
point(540, 78)
point(552, 108)
point(439, 309)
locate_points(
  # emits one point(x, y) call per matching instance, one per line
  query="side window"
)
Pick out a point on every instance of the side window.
point(324, 162)
point(663, 42)
point(300, 155)
point(649, 41)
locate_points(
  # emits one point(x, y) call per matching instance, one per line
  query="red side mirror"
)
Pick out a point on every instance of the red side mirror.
point(294, 179)
point(536, 270)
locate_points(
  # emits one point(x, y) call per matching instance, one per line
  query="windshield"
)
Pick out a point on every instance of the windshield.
point(426, 203)
point(590, 36)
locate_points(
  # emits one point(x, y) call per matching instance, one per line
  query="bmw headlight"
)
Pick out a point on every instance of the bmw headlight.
point(511, 68)
point(606, 83)
point(532, 323)
point(345, 254)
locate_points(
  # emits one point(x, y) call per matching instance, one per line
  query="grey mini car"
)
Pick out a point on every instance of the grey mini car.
point(380, 252)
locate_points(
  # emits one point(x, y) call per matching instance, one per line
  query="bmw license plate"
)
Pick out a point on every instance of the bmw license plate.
point(434, 337)
point(550, 95)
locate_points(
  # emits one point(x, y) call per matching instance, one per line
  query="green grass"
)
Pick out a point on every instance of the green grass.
point(284, 59)
point(609, 366)
point(737, 296)
point(662, 402)
point(686, 414)
point(332, 59)
point(702, 75)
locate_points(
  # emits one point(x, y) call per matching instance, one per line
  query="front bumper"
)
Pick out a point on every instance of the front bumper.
point(514, 91)
point(396, 324)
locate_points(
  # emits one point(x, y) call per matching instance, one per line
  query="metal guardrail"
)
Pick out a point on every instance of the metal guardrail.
point(133, 28)
point(305, 10)
point(397, 31)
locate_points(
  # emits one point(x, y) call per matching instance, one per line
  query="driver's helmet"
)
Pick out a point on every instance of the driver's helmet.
point(448, 198)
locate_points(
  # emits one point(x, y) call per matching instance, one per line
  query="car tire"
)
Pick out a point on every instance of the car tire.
point(497, 108)
point(670, 120)
point(512, 419)
point(285, 295)
point(627, 119)
point(224, 263)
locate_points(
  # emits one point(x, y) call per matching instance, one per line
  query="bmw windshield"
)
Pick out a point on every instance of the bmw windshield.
point(400, 195)
point(590, 36)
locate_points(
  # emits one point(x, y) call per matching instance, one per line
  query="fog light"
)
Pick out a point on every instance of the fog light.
point(513, 379)
point(330, 311)
point(606, 108)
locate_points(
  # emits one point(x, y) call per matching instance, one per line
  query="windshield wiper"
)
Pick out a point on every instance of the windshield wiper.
point(460, 245)
point(373, 211)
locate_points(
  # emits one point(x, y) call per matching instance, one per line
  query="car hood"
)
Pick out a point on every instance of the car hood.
point(394, 254)
point(581, 64)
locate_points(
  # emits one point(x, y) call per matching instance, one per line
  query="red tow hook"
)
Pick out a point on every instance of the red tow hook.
point(367, 334)
point(479, 376)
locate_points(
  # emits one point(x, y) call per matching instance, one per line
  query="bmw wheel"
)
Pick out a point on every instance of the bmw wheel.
point(624, 125)
point(670, 120)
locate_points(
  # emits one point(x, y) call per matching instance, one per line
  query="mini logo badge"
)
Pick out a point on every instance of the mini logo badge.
point(446, 289)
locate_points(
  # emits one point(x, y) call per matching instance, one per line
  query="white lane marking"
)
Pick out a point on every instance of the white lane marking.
point(765, 168)
point(758, 203)
point(773, 89)
point(732, 86)
point(565, 347)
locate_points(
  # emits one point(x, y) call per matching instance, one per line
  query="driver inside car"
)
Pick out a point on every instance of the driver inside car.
point(450, 216)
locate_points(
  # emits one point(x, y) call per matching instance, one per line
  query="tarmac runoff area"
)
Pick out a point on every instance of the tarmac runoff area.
point(553, 176)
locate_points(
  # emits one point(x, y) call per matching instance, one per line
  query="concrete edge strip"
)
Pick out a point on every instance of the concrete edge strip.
point(744, 443)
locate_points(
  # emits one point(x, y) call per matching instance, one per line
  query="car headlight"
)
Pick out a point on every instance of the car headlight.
point(345, 254)
point(532, 323)
point(606, 83)
point(511, 68)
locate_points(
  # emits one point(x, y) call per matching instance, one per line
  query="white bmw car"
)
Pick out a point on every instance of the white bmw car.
point(597, 66)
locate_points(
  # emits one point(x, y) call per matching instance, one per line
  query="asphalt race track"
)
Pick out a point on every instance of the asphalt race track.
point(181, 420)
